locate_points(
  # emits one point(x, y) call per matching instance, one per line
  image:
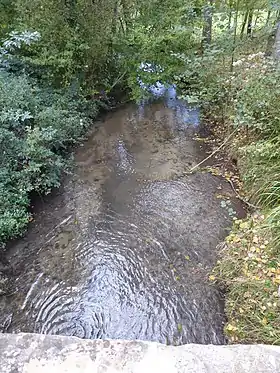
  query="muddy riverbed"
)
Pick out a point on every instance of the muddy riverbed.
point(124, 248)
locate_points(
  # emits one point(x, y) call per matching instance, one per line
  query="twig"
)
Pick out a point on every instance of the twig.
point(214, 152)
point(230, 182)
point(241, 198)
point(119, 78)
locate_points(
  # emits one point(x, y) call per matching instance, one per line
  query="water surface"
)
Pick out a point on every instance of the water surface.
point(124, 248)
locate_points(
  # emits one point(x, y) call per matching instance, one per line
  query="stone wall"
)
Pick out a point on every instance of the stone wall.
point(33, 353)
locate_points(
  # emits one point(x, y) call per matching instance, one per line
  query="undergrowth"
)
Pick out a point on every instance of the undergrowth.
point(244, 96)
point(249, 270)
point(37, 127)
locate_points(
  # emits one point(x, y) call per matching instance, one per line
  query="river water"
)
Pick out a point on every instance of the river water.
point(123, 249)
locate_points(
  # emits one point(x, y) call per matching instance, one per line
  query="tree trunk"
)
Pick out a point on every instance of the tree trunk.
point(115, 18)
point(244, 24)
point(273, 42)
point(277, 42)
point(235, 33)
point(70, 12)
point(126, 15)
point(207, 27)
point(250, 22)
point(229, 15)
point(268, 17)
point(256, 20)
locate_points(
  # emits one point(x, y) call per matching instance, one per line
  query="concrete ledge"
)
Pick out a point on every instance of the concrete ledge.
point(56, 354)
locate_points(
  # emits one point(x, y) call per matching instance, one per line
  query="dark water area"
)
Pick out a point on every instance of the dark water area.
point(124, 248)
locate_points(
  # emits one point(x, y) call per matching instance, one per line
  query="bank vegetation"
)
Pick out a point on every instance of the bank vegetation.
point(62, 61)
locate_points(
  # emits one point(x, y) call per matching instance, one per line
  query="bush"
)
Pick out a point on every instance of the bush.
point(37, 126)
point(247, 100)
point(249, 268)
point(257, 109)
point(257, 101)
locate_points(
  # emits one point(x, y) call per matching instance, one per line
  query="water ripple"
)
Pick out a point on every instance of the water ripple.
point(130, 254)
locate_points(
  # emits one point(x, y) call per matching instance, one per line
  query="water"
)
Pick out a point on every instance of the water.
point(124, 248)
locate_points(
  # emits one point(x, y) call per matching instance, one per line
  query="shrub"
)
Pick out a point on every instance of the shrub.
point(247, 99)
point(37, 127)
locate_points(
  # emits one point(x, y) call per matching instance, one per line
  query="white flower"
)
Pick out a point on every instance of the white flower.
point(237, 63)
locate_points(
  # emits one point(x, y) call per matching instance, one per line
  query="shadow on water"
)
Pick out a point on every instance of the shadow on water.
point(124, 250)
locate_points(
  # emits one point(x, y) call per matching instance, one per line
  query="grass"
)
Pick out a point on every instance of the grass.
point(249, 265)
point(249, 270)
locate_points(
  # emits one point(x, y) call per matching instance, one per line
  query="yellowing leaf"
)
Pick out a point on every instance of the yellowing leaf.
point(264, 321)
point(236, 239)
point(244, 225)
point(231, 328)
point(219, 196)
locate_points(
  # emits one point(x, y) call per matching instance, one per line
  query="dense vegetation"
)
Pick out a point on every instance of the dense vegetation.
point(38, 124)
point(60, 60)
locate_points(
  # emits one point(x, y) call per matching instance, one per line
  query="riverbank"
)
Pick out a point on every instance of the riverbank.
point(43, 116)
point(125, 249)
point(38, 152)
point(248, 269)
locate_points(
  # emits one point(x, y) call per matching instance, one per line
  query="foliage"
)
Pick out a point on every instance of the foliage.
point(250, 269)
point(76, 42)
point(7, 13)
point(199, 82)
point(217, 55)
point(37, 127)
point(236, 83)
point(257, 105)
point(160, 30)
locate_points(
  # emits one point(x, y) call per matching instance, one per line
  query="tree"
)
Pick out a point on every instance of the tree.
point(250, 21)
point(277, 41)
point(230, 6)
point(244, 23)
point(7, 16)
point(207, 25)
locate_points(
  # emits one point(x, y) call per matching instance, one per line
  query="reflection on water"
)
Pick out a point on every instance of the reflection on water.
point(124, 250)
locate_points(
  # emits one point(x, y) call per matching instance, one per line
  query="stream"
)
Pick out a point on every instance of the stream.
point(124, 248)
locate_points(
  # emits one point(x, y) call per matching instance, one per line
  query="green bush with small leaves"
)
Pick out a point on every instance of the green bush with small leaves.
point(37, 127)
